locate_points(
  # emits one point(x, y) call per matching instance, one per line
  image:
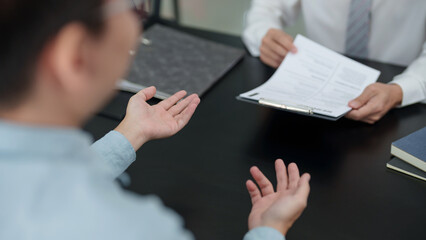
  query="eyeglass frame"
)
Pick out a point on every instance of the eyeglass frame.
point(112, 8)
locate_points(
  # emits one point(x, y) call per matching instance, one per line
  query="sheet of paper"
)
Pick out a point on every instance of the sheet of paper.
point(316, 78)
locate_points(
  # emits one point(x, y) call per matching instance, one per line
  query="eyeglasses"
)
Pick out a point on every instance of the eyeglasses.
point(115, 7)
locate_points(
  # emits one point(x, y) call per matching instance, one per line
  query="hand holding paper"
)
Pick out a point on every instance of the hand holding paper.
point(376, 100)
point(275, 46)
point(314, 81)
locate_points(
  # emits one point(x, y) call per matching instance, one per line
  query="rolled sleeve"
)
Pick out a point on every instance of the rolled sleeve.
point(412, 89)
point(264, 15)
point(261, 233)
point(413, 81)
point(116, 153)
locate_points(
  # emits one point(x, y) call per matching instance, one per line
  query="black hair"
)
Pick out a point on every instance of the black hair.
point(26, 26)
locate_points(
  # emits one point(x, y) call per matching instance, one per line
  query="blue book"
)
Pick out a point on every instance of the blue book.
point(412, 149)
point(401, 166)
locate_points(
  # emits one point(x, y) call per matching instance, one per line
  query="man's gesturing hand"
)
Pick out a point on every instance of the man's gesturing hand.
point(277, 209)
point(144, 122)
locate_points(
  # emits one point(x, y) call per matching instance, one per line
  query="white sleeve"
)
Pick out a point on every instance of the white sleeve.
point(413, 81)
point(264, 15)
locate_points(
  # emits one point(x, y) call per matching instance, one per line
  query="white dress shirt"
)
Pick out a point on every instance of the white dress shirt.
point(398, 33)
point(55, 185)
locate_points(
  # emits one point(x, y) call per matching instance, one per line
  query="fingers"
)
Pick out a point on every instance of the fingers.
point(286, 41)
point(282, 178)
point(269, 61)
point(366, 112)
point(277, 49)
point(282, 38)
point(180, 106)
point(269, 57)
point(169, 102)
point(377, 99)
point(370, 119)
point(147, 93)
point(293, 176)
point(365, 96)
point(303, 187)
point(373, 118)
point(362, 105)
point(253, 191)
point(263, 182)
point(184, 117)
point(275, 46)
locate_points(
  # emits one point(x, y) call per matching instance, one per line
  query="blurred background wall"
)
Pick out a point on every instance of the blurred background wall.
point(225, 16)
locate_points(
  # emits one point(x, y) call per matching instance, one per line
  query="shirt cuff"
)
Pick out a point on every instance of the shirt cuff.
point(115, 152)
point(412, 89)
point(261, 233)
point(252, 42)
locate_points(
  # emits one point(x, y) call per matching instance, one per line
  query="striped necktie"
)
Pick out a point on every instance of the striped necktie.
point(358, 28)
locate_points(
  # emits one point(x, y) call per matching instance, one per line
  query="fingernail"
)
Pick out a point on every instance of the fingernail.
point(294, 50)
point(354, 104)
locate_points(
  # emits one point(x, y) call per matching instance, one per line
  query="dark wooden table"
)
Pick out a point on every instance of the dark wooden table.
point(201, 172)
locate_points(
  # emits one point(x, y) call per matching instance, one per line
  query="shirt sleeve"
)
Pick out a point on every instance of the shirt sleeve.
point(413, 81)
point(264, 15)
point(115, 153)
point(261, 233)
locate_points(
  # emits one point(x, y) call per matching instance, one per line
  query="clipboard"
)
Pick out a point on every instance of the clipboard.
point(306, 111)
point(315, 82)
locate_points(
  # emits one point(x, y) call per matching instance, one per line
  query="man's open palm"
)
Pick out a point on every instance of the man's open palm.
point(278, 209)
point(146, 122)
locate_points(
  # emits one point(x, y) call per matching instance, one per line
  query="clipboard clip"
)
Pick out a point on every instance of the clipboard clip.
point(275, 104)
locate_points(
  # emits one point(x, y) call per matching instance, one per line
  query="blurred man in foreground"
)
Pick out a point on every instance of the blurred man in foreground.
point(60, 61)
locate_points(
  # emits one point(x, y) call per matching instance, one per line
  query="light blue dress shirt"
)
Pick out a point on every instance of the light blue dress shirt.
point(55, 185)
